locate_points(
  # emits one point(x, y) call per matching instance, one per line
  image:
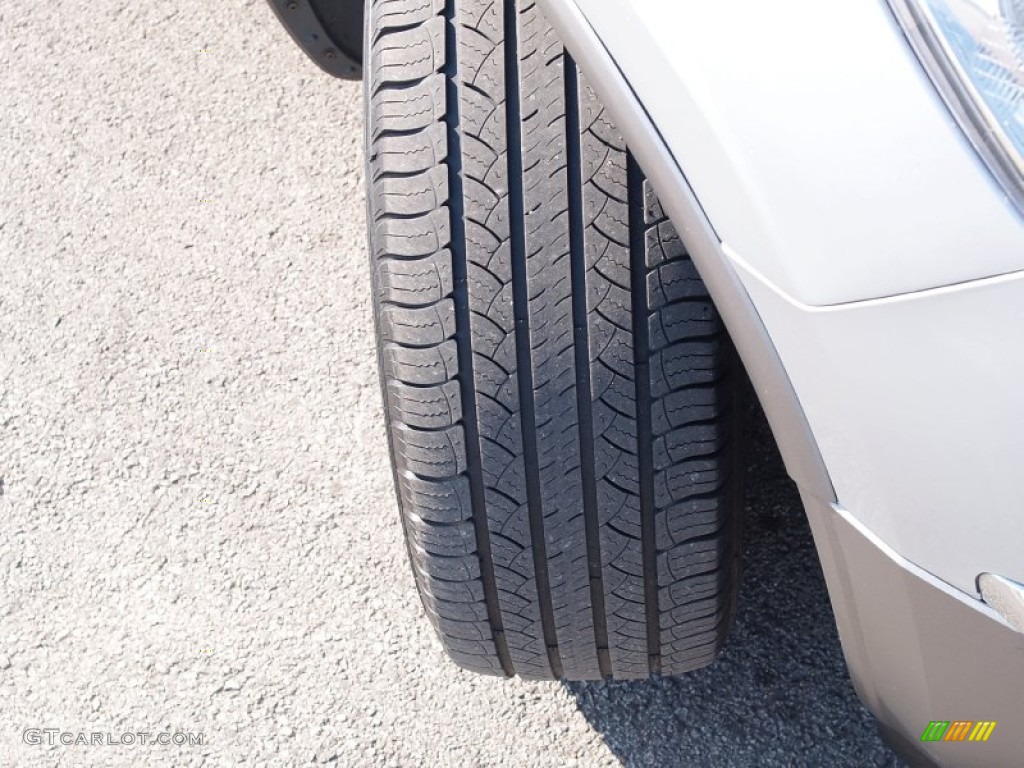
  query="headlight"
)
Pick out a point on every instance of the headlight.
point(973, 50)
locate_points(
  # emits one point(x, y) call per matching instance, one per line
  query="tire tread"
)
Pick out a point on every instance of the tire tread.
point(559, 390)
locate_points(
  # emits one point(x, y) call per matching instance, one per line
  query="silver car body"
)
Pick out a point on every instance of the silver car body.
point(871, 272)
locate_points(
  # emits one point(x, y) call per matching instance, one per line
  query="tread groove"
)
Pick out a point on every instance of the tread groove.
point(642, 381)
point(465, 352)
point(520, 300)
point(584, 389)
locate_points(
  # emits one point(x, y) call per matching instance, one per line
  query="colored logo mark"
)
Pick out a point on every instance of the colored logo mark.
point(958, 730)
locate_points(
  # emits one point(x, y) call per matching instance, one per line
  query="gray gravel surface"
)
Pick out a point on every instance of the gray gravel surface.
point(199, 529)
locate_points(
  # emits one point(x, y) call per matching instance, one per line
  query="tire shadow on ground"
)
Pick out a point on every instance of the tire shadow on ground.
point(779, 694)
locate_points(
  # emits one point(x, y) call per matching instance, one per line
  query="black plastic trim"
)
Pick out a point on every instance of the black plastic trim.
point(336, 54)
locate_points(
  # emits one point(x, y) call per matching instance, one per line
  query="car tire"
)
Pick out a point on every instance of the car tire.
point(562, 399)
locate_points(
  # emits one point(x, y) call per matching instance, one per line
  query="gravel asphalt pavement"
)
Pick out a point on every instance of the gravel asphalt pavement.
point(199, 530)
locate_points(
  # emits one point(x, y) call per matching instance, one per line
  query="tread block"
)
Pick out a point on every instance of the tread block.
point(415, 283)
point(397, 111)
point(408, 55)
point(402, 13)
point(413, 237)
point(435, 454)
point(440, 501)
point(418, 326)
point(413, 195)
point(411, 159)
point(425, 407)
point(420, 366)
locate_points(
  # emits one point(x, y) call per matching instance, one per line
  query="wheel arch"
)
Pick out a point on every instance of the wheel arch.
point(771, 382)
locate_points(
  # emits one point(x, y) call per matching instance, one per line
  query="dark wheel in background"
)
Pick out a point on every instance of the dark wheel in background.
point(561, 395)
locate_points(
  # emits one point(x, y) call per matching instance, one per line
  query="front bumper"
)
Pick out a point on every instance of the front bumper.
point(919, 650)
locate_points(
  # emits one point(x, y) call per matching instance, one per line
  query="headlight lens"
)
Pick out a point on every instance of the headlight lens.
point(974, 52)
